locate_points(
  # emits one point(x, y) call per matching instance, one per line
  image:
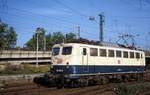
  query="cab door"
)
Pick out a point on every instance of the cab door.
point(84, 59)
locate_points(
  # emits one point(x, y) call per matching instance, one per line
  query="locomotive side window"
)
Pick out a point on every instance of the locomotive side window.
point(111, 53)
point(55, 51)
point(137, 55)
point(118, 53)
point(84, 51)
point(103, 52)
point(93, 52)
point(66, 50)
point(125, 54)
point(131, 54)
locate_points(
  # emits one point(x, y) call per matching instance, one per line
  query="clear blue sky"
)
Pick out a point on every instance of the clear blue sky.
point(121, 17)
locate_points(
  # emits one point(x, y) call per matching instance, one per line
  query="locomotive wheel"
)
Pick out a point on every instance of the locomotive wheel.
point(124, 78)
point(104, 80)
point(36, 80)
point(83, 82)
point(75, 83)
point(91, 82)
point(60, 82)
point(59, 86)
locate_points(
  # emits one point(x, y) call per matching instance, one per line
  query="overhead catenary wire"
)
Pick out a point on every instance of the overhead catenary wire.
point(39, 21)
point(21, 10)
point(37, 4)
point(74, 11)
point(53, 18)
point(70, 8)
point(61, 20)
point(30, 19)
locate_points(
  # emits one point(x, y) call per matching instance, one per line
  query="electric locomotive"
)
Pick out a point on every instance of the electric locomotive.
point(76, 64)
point(76, 61)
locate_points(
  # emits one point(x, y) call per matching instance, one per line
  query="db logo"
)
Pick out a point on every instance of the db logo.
point(119, 62)
point(59, 61)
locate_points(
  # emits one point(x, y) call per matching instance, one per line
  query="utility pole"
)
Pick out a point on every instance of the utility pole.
point(78, 33)
point(37, 48)
point(44, 42)
point(101, 30)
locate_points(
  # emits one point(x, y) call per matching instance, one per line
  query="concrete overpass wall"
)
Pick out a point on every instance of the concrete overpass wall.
point(23, 54)
point(18, 56)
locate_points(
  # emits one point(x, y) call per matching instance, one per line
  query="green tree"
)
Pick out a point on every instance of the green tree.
point(57, 38)
point(48, 42)
point(70, 37)
point(3, 33)
point(32, 43)
point(11, 38)
point(8, 36)
point(51, 39)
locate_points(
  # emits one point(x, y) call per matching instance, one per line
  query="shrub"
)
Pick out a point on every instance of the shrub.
point(123, 89)
point(24, 69)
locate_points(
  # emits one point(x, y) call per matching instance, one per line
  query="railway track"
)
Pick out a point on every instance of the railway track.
point(93, 90)
point(23, 89)
point(33, 89)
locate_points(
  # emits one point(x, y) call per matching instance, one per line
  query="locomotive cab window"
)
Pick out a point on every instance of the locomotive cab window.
point(55, 51)
point(125, 54)
point(118, 53)
point(103, 52)
point(66, 50)
point(111, 53)
point(93, 52)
